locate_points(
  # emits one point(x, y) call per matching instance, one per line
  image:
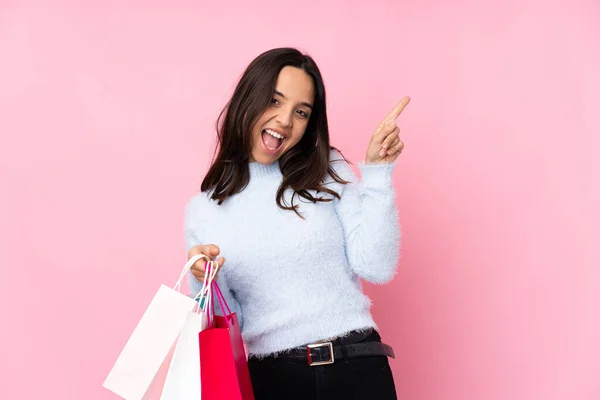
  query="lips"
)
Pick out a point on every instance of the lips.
point(272, 140)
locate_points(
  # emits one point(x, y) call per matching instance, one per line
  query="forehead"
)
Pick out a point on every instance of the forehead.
point(296, 85)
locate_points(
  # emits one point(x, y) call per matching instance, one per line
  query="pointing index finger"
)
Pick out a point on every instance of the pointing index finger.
point(398, 109)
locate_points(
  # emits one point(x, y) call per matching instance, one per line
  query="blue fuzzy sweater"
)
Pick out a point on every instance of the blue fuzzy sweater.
point(295, 281)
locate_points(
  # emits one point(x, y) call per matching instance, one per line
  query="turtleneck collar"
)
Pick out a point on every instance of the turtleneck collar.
point(258, 170)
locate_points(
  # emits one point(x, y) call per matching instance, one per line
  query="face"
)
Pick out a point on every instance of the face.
point(283, 123)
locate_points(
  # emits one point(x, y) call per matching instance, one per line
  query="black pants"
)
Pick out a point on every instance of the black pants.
point(278, 378)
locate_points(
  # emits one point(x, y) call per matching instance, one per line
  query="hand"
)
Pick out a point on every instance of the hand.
point(209, 250)
point(385, 145)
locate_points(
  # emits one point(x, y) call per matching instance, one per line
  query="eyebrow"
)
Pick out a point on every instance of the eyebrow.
point(277, 92)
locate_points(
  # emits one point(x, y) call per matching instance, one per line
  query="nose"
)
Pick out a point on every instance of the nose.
point(284, 118)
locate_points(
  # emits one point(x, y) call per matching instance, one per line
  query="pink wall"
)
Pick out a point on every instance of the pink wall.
point(107, 114)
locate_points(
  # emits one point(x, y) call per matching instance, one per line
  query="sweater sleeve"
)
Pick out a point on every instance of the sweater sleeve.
point(369, 217)
point(193, 235)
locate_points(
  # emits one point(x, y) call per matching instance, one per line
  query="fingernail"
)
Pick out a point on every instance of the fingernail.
point(381, 153)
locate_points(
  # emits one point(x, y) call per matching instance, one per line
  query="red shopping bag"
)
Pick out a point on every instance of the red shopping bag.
point(224, 370)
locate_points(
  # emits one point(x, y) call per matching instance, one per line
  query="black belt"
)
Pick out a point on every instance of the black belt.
point(328, 352)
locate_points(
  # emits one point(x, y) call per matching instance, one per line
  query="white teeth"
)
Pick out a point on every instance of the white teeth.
point(274, 134)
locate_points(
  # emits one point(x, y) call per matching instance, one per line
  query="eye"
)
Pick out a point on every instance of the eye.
point(274, 101)
point(303, 114)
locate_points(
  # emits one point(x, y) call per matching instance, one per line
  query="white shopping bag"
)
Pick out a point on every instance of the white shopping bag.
point(183, 378)
point(151, 340)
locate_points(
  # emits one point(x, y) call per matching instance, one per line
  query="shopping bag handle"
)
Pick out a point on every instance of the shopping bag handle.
point(222, 302)
point(209, 276)
point(188, 265)
point(209, 305)
point(220, 296)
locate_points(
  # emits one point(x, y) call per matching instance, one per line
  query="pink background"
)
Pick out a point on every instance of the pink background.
point(107, 116)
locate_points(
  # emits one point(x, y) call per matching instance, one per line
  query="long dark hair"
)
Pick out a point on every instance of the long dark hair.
point(304, 166)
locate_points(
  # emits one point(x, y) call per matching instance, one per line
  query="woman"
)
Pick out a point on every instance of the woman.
point(299, 233)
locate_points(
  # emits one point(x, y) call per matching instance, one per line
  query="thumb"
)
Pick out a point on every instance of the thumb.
point(220, 263)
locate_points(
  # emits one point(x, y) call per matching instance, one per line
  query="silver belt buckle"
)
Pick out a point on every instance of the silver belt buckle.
point(317, 346)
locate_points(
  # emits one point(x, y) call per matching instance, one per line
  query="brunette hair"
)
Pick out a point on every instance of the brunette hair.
point(304, 166)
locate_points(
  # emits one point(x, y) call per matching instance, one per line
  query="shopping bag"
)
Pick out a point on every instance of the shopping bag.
point(223, 363)
point(183, 377)
point(151, 340)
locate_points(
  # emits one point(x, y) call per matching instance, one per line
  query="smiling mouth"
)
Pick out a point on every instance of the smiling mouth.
point(271, 139)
